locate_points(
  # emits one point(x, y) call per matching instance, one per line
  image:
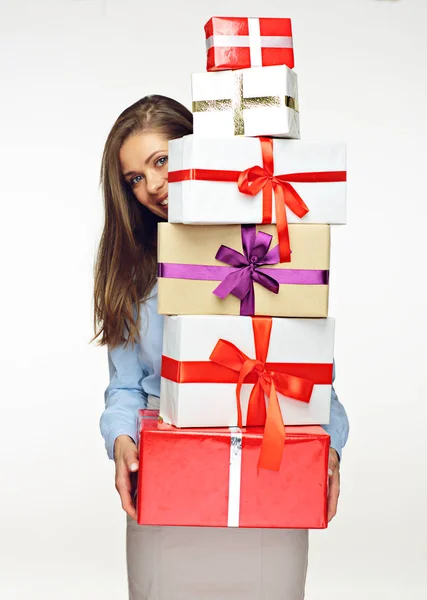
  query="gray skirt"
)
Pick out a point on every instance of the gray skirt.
point(206, 563)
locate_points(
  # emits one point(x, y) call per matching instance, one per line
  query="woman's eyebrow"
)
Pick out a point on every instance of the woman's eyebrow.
point(130, 173)
point(151, 155)
point(146, 162)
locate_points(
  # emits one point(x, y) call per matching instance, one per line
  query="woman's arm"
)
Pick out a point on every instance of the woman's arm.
point(338, 427)
point(124, 396)
point(134, 373)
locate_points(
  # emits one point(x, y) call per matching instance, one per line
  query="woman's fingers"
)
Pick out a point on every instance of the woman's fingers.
point(127, 464)
point(124, 487)
point(334, 484)
point(334, 492)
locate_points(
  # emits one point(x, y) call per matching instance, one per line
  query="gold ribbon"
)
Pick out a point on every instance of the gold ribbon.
point(237, 103)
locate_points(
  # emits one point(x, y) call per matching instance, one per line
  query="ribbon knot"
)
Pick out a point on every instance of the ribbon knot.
point(253, 180)
point(240, 282)
point(268, 383)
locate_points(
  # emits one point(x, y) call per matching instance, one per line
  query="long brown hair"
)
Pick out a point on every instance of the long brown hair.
point(126, 263)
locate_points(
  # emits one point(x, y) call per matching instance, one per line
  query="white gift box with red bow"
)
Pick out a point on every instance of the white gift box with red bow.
point(197, 390)
point(204, 175)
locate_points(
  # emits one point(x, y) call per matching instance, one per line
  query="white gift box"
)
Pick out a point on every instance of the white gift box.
point(250, 102)
point(198, 193)
point(188, 341)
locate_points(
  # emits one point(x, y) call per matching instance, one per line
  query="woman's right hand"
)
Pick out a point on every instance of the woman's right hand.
point(126, 459)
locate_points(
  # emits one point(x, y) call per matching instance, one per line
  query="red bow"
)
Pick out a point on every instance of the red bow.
point(268, 383)
point(255, 179)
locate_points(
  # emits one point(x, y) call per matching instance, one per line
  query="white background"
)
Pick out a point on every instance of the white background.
point(67, 69)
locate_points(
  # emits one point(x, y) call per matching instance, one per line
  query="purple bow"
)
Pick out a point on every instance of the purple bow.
point(240, 283)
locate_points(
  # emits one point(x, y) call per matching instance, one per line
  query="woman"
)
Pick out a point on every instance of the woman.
point(170, 563)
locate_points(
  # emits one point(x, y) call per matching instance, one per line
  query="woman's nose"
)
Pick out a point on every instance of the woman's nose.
point(154, 183)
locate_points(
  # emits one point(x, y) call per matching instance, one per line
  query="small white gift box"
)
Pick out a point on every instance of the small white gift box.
point(251, 102)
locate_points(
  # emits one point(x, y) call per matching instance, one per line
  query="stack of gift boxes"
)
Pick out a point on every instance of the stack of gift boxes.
point(243, 281)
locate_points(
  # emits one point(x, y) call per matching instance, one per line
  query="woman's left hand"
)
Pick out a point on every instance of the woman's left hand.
point(334, 483)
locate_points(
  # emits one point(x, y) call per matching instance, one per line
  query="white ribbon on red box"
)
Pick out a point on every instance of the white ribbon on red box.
point(254, 40)
point(234, 482)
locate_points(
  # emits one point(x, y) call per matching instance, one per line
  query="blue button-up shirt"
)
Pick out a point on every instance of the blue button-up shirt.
point(135, 374)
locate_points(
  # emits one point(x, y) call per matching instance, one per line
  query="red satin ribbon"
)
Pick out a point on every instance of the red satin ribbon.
point(231, 365)
point(209, 372)
point(253, 180)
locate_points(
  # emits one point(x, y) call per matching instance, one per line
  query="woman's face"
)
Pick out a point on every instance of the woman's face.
point(144, 164)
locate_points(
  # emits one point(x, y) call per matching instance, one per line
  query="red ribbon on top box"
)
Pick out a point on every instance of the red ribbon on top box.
point(242, 42)
point(209, 477)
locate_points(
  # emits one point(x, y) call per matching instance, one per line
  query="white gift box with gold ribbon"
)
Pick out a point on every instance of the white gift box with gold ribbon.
point(260, 101)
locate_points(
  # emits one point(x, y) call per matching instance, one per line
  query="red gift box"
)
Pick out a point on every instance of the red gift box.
point(209, 477)
point(242, 42)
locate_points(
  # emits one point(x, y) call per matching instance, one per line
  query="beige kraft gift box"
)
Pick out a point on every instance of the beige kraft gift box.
point(198, 244)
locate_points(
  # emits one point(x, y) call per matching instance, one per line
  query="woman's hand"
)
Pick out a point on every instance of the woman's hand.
point(334, 483)
point(126, 459)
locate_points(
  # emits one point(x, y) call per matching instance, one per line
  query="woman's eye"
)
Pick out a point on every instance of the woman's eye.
point(162, 161)
point(136, 180)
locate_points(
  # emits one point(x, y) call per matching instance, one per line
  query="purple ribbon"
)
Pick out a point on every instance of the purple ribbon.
point(218, 273)
point(240, 283)
point(238, 279)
